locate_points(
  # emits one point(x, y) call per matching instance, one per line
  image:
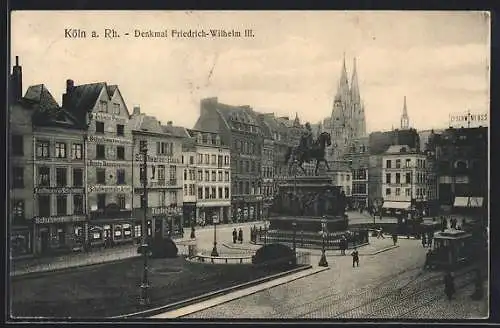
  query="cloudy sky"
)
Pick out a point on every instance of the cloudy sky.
point(438, 60)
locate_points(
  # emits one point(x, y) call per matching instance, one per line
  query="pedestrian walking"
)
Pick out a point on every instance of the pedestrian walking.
point(235, 235)
point(240, 236)
point(394, 238)
point(424, 240)
point(380, 233)
point(428, 259)
point(343, 245)
point(449, 285)
point(430, 236)
point(355, 257)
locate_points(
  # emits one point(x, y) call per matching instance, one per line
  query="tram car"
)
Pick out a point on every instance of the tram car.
point(451, 249)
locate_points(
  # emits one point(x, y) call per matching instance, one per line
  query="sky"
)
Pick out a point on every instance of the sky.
point(439, 60)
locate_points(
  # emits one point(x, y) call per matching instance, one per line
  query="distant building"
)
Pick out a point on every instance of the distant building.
point(358, 158)
point(405, 176)
point(239, 128)
point(341, 175)
point(212, 179)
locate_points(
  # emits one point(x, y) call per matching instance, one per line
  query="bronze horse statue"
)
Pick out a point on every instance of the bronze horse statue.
point(301, 154)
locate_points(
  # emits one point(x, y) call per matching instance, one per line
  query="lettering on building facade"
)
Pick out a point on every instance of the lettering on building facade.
point(109, 189)
point(110, 117)
point(98, 139)
point(470, 119)
point(166, 211)
point(157, 159)
point(58, 219)
point(58, 190)
point(103, 163)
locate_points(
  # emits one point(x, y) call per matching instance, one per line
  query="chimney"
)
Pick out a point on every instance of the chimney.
point(137, 111)
point(70, 84)
point(169, 123)
point(17, 81)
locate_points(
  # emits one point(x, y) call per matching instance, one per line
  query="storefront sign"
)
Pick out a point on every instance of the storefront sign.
point(109, 117)
point(166, 211)
point(468, 119)
point(102, 163)
point(157, 159)
point(98, 139)
point(58, 219)
point(58, 190)
point(109, 189)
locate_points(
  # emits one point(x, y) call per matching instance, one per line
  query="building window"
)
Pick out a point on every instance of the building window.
point(398, 191)
point(18, 209)
point(100, 152)
point(388, 163)
point(220, 176)
point(207, 193)
point(161, 172)
point(219, 161)
point(120, 201)
point(226, 176)
point(388, 178)
point(398, 163)
point(200, 175)
point(163, 198)
point(200, 193)
point(17, 145)
point(213, 195)
point(120, 130)
point(347, 177)
point(143, 144)
point(408, 177)
point(120, 152)
point(61, 177)
point(101, 201)
point(116, 108)
point(191, 160)
point(220, 193)
point(100, 176)
point(77, 204)
point(173, 174)
point(408, 192)
point(18, 179)
point(103, 106)
point(77, 177)
point(185, 190)
point(214, 176)
point(99, 127)
point(42, 149)
point(185, 174)
point(247, 188)
point(207, 159)
point(60, 150)
point(120, 177)
point(164, 148)
point(398, 178)
point(62, 205)
point(44, 176)
point(44, 205)
point(207, 175)
point(173, 197)
point(407, 162)
point(226, 192)
point(388, 191)
point(191, 190)
point(77, 151)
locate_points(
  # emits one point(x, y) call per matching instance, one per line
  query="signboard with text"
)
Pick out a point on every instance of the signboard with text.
point(157, 159)
point(104, 163)
point(166, 211)
point(109, 189)
point(468, 120)
point(58, 190)
point(103, 139)
point(110, 117)
point(58, 219)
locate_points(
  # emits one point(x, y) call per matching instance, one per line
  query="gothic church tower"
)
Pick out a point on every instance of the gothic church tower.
point(348, 120)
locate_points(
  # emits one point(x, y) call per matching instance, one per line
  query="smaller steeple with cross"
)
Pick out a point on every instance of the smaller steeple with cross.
point(405, 119)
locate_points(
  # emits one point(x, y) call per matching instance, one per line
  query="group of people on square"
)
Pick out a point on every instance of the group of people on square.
point(238, 236)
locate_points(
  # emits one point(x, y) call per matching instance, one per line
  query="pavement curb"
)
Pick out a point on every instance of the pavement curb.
point(210, 295)
point(216, 301)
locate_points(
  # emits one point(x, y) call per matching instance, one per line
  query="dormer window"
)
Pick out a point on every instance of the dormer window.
point(116, 108)
point(103, 106)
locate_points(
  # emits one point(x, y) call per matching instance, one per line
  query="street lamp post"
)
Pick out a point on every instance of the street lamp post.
point(144, 300)
point(214, 253)
point(322, 261)
point(294, 225)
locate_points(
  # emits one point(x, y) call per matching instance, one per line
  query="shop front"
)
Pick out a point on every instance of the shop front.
point(58, 233)
point(189, 214)
point(21, 242)
point(106, 229)
point(247, 208)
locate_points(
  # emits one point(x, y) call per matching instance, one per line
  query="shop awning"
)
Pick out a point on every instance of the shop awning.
point(461, 202)
point(475, 201)
point(397, 205)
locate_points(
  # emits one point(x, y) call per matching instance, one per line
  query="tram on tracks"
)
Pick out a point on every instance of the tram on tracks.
point(452, 248)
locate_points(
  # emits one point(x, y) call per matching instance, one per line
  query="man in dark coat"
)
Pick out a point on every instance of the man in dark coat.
point(240, 236)
point(235, 235)
point(355, 257)
point(449, 285)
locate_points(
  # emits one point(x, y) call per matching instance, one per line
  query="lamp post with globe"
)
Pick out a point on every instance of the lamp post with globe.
point(215, 253)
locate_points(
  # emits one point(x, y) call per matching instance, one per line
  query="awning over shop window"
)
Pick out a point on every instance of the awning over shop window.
point(476, 202)
point(461, 202)
point(397, 205)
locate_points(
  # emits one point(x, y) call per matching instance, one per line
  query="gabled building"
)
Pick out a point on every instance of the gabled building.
point(239, 128)
point(164, 174)
point(108, 154)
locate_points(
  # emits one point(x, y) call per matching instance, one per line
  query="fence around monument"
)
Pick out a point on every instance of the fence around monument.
point(312, 240)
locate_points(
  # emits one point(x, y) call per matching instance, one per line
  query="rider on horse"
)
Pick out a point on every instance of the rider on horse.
point(307, 138)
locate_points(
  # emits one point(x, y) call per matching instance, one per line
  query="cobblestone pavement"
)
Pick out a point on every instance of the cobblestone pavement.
point(204, 240)
point(389, 285)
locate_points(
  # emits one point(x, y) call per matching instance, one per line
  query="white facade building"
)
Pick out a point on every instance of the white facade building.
point(213, 178)
point(404, 176)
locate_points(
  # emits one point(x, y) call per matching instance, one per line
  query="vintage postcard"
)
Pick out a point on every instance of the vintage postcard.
point(249, 165)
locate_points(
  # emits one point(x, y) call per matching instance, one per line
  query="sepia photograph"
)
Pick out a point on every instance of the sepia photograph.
point(195, 165)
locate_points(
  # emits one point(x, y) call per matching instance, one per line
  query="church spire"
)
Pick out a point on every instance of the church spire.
point(405, 120)
point(296, 121)
point(343, 87)
point(354, 84)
